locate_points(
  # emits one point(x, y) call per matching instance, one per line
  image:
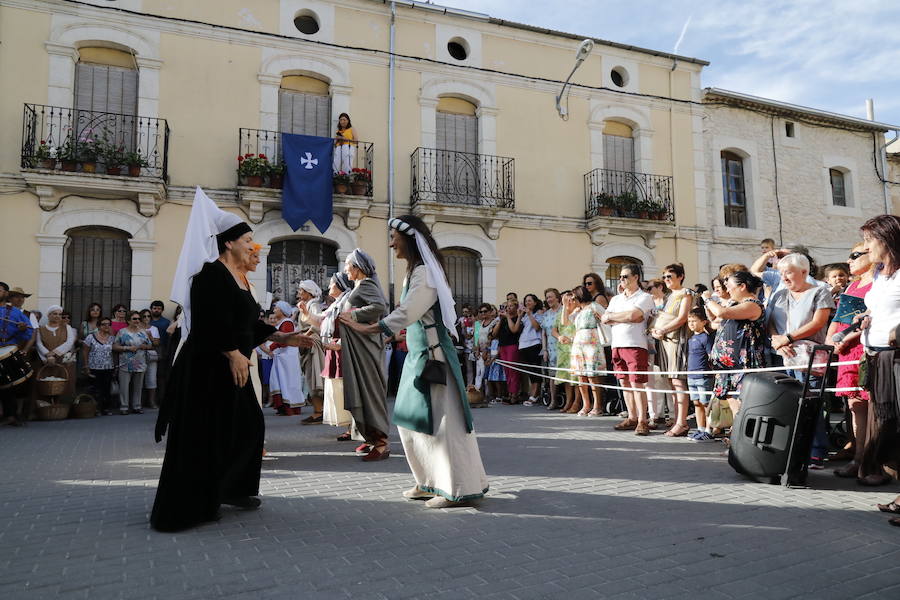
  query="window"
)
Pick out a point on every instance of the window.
point(616, 263)
point(292, 261)
point(457, 165)
point(304, 106)
point(735, 197)
point(789, 129)
point(458, 48)
point(619, 76)
point(106, 92)
point(306, 22)
point(96, 268)
point(838, 190)
point(464, 276)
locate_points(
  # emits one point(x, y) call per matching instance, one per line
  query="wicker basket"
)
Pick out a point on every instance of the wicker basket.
point(54, 412)
point(52, 388)
point(84, 407)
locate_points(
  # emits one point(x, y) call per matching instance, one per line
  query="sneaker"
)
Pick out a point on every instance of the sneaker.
point(528, 402)
point(816, 463)
point(702, 436)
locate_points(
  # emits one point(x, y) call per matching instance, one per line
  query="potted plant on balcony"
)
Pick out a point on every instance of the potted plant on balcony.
point(67, 155)
point(89, 148)
point(276, 175)
point(252, 169)
point(113, 158)
point(606, 204)
point(643, 208)
point(135, 163)
point(341, 182)
point(626, 203)
point(45, 156)
point(658, 210)
point(360, 179)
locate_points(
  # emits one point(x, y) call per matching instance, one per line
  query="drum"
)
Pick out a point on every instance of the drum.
point(14, 367)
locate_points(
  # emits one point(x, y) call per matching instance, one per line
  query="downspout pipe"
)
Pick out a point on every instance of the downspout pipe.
point(390, 185)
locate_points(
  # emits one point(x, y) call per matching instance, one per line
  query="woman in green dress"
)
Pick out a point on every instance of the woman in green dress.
point(564, 332)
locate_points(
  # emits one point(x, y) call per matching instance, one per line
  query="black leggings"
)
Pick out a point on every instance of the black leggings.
point(101, 384)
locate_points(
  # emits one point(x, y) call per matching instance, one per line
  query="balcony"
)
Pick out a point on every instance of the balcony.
point(462, 187)
point(628, 203)
point(352, 201)
point(97, 153)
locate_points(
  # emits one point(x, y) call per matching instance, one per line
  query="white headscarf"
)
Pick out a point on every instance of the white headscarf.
point(286, 308)
point(206, 221)
point(436, 276)
point(311, 287)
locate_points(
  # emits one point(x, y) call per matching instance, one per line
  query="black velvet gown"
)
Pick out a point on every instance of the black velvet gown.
point(215, 429)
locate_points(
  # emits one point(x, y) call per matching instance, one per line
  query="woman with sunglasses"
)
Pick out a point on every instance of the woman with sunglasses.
point(850, 349)
point(133, 343)
point(671, 332)
point(152, 357)
point(593, 283)
point(118, 321)
point(97, 358)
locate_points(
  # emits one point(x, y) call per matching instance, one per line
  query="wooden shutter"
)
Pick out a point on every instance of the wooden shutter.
point(306, 114)
point(618, 153)
point(457, 132)
point(101, 88)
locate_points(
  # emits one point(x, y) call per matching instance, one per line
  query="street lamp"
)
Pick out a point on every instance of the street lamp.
point(583, 51)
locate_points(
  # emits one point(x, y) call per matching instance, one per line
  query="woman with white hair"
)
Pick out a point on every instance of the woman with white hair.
point(797, 315)
point(285, 384)
point(55, 344)
point(362, 356)
point(333, 412)
point(309, 319)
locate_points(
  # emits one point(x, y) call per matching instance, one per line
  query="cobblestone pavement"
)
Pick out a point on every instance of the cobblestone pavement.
point(575, 510)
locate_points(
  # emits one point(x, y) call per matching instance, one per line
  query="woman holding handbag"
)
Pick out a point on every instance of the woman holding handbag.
point(797, 316)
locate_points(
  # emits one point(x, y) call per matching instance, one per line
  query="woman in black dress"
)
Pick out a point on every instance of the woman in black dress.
point(215, 425)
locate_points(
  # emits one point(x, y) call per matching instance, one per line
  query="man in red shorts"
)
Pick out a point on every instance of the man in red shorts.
point(627, 315)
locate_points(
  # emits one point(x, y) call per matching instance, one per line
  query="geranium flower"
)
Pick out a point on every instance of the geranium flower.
point(262, 156)
point(240, 158)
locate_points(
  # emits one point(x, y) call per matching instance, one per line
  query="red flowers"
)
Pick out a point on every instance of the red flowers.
point(240, 158)
point(263, 156)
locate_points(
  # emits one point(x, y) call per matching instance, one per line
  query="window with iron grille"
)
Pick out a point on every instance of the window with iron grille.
point(616, 263)
point(97, 268)
point(464, 275)
point(292, 261)
point(735, 197)
point(838, 191)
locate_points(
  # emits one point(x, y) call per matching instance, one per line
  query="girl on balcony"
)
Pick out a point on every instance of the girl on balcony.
point(344, 146)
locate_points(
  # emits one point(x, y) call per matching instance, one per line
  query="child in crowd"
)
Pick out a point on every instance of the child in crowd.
point(699, 346)
point(837, 276)
point(496, 378)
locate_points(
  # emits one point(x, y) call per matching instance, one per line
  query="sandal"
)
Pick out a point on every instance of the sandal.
point(890, 507)
point(344, 437)
point(678, 431)
point(312, 420)
point(594, 413)
point(626, 425)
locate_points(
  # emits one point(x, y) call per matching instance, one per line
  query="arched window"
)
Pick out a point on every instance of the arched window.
point(292, 261)
point(457, 164)
point(838, 187)
point(616, 263)
point(304, 106)
point(96, 268)
point(618, 147)
point(464, 275)
point(733, 189)
point(106, 97)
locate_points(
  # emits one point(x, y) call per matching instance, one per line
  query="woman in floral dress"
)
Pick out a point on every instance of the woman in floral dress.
point(740, 339)
point(587, 352)
point(564, 332)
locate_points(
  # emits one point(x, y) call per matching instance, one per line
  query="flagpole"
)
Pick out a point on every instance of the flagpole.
point(390, 185)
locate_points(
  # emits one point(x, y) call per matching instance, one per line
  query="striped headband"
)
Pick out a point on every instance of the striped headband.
point(401, 226)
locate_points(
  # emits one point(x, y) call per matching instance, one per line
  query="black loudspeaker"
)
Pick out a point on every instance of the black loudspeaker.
point(773, 432)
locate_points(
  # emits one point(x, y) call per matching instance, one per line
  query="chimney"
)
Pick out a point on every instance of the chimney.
point(870, 109)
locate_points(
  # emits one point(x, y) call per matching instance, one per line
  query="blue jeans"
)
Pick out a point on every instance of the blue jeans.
point(820, 439)
point(700, 383)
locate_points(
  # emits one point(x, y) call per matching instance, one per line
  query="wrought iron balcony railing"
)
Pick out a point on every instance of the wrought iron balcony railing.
point(462, 178)
point(353, 158)
point(68, 139)
point(630, 195)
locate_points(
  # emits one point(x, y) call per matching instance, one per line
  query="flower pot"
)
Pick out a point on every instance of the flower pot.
point(254, 180)
point(340, 188)
point(89, 167)
point(605, 211)
point(276, 181)
point(134, 170)
point(113, 170)
point(69, 165)
point(47, 163)
point(643, 214)
point(360, 189)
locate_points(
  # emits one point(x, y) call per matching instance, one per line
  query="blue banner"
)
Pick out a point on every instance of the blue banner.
point(308, 181)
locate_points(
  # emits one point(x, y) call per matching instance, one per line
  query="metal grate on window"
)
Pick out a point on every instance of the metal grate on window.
point(464, 276)
point(292, 261)
point(616, 263)
point(97, 268)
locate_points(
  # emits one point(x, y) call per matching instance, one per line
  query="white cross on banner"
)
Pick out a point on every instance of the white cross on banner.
point(309, 161)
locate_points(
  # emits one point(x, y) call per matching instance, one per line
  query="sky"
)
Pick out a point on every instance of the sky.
point(825, 54)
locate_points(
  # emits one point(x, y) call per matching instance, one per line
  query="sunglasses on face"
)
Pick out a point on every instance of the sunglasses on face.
point(855, 255)
point(588, 283)
point(105, 323)
point(135, 318)
point(624, 276)
point(668, 276)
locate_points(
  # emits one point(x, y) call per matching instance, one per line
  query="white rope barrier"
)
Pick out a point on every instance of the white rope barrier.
point(652, 390)
point(688, 373)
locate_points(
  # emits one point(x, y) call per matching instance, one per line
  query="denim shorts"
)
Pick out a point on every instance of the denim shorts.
point(700, 384)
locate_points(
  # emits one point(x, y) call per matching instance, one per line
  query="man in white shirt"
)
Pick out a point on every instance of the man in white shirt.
point(627, 315)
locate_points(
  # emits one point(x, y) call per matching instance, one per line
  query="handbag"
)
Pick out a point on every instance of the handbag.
point(434, 371)
point(661, 320)
point(803, 350)
point(720, 415)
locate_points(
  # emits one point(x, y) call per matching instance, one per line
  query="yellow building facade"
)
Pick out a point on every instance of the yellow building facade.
point(522, 199)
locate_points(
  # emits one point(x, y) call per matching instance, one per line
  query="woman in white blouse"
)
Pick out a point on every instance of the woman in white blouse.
point(56, 343)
